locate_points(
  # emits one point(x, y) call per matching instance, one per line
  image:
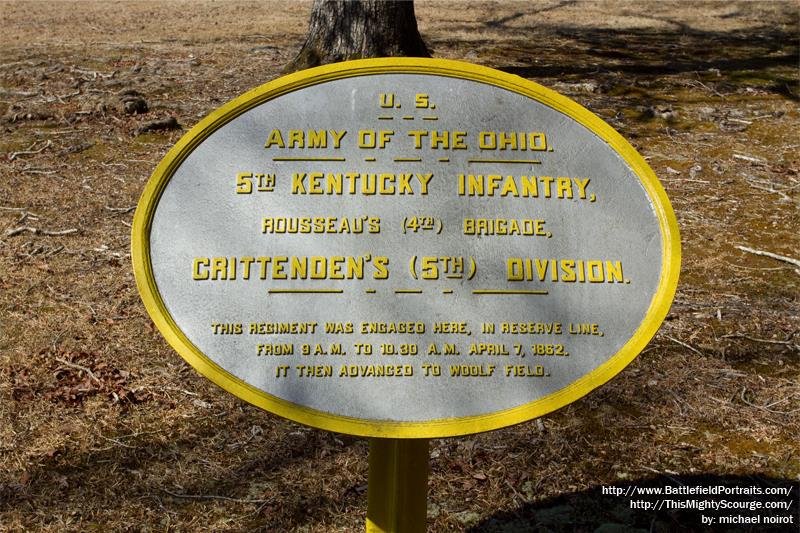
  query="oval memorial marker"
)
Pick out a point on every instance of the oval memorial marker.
point(405, 248)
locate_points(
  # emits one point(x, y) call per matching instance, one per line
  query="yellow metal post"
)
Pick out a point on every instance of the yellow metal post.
point(397, 493)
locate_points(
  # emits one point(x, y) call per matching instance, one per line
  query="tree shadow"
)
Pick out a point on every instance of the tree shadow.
point(599, 510)
point(146, 474)
point(502, 21)
point(653, 51)
point(765, 57)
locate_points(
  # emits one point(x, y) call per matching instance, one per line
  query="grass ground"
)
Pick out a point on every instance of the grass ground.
point(103, 427)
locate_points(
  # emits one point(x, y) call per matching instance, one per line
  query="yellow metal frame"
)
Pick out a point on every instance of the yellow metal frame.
point(397, 488)
point(659, 306)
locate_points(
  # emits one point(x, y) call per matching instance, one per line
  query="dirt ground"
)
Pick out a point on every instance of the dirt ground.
point(104, 428)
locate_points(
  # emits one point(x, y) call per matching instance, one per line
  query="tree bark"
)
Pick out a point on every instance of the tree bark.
point(340, 30)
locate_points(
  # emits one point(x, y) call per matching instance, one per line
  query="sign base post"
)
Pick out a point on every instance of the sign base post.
point(397, 492)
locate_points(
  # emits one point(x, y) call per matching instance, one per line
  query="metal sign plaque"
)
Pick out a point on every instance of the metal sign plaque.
point(405, 248)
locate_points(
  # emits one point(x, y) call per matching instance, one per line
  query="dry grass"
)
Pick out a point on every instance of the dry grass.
point(103, 427)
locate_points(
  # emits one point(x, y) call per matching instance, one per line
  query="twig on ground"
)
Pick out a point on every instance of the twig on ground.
point(15, 155)
point(771, 189)
point(749, 158)
point(680, 401)
point(80, 367)
point(731, 372)
point(210, 497)
point(25, 215)
point(758, 268)
point(180, 390)
point(703, 85)
point(37, 231)
point(62, 97)
point(23, 62)
point(37, 171)
point(120, 210)
point(785, 259)
point(780, 401)
point(724, 402)
point(118, 443)
point(139, 433)
point(11, 92)
point(663, 473)
point(517, 495)
point(763, 408)
point(692, 348)
point(55, 250)
point(34, 252)
point(93, 73)
point(754, 339)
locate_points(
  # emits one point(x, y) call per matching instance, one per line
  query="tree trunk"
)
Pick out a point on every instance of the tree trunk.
point(340, 30)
